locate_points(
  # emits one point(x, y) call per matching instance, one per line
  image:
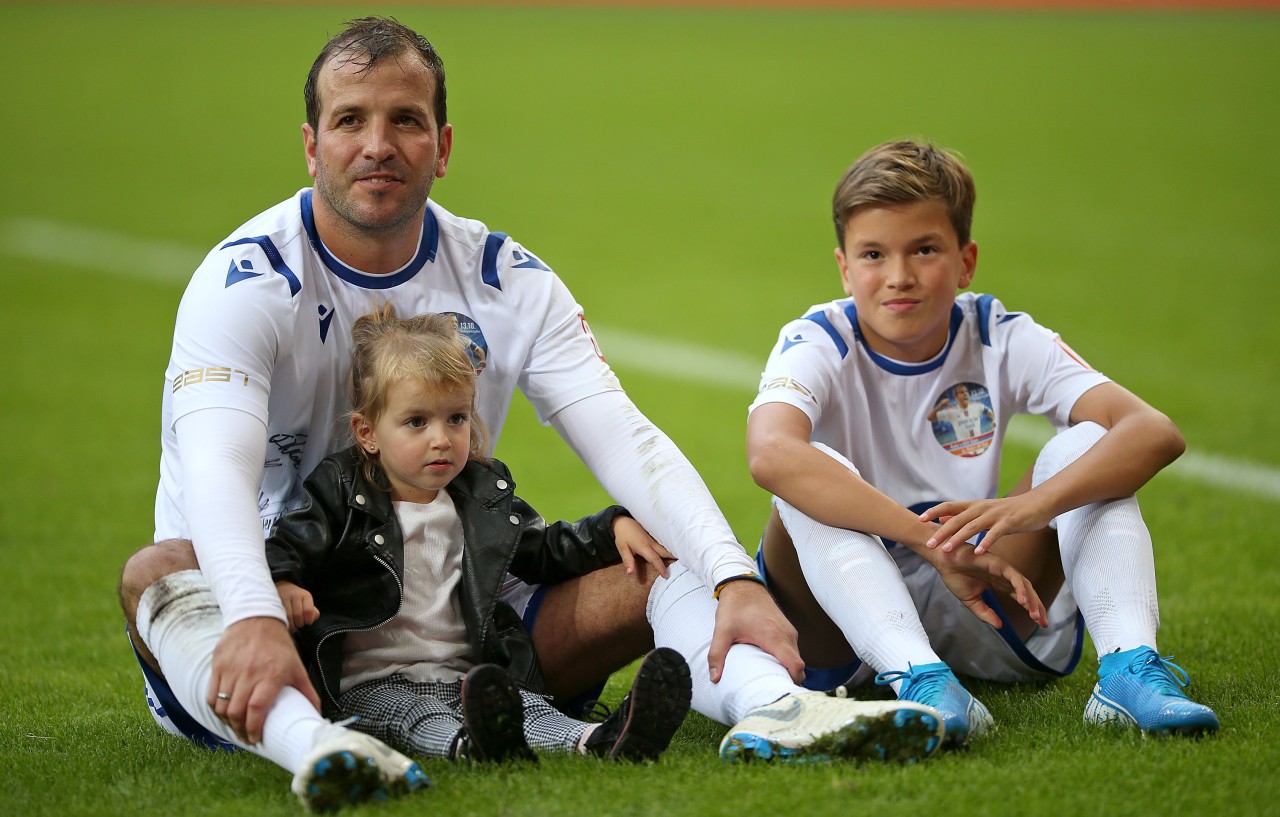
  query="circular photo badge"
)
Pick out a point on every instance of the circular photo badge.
point(963, 421)
point(477, 346)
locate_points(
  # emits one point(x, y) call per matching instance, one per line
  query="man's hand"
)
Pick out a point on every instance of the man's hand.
point(747, 614)
point(254, 660)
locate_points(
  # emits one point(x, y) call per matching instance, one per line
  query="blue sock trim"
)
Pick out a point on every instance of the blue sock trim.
point(171, 709)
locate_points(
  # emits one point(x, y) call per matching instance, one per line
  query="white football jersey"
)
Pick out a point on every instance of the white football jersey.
point(265, 327)
point(875, 410)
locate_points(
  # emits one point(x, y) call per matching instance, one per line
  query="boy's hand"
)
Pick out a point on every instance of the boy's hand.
point(967, 573)
point(298, 605)
point(963, 520)
point(633, 540)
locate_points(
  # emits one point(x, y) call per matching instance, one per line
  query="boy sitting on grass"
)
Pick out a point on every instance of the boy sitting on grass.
point(882, 414)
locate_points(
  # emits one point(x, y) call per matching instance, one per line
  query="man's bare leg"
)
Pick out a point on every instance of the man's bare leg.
point(145, 567)
point(590, 627)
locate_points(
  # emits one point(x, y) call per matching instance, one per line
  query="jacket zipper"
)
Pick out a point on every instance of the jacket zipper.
point(323, 678)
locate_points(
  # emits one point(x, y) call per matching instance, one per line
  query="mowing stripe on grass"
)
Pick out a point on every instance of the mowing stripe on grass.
point(88, 248)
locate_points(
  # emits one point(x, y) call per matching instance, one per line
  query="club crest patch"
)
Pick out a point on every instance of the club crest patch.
point(477, 346)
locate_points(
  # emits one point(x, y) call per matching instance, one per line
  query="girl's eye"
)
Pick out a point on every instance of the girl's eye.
point(459, 419)
point(414, 422)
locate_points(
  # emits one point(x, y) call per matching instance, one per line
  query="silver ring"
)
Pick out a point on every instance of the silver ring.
point(224, 696)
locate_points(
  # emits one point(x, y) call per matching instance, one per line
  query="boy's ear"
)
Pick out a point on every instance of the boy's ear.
point(843, 264)
point(969, 263)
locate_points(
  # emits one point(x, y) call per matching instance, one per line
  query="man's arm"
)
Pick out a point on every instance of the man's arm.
point(644, 471)
point(222, 451)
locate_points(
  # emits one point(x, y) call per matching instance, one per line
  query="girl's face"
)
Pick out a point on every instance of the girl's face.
point(422, 439)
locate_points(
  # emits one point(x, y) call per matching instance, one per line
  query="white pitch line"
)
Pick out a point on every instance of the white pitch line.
point(89, 248)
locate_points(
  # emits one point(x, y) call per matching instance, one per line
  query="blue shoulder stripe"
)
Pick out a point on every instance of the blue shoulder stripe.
point(273, 255)
point(489, 264)
point(821, 320)
point(984, 318)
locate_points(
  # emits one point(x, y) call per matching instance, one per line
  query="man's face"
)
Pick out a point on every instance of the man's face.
point(376, 148)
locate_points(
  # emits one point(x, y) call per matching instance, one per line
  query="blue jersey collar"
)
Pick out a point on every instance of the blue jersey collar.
point(427, 246)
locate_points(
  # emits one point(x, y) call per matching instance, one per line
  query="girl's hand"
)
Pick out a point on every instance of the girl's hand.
point(298, 605)
point(633, 540)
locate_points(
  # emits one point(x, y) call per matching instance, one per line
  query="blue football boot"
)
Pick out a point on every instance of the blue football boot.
point(964, 717)
point(1139, 688)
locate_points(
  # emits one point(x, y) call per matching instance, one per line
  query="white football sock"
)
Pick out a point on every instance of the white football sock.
point(858, 585)
point(1107, 555)
point(682, 614)
point(180, 622)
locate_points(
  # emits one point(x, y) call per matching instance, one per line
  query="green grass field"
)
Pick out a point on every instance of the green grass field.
point(675, 167)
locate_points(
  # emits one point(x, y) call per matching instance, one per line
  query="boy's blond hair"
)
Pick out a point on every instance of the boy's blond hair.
point(905, 172)
point(426, 349)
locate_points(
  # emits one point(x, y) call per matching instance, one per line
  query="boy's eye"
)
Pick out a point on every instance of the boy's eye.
point(928, 250)
point(872, 255)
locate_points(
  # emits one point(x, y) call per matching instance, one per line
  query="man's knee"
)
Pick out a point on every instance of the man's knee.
point(148, 565)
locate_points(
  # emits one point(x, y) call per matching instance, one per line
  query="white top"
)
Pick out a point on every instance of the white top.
point(427, 639)
point(875, 410)
point(263, 331)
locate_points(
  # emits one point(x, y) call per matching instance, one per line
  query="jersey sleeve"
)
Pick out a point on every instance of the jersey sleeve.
point(802, 367)
point(227, 335)
point(564, 363)
point(1048, 376)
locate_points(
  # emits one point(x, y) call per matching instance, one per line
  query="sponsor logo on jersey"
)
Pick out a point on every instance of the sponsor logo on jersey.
point(241, 270)
point(787, 343)
point(785, 383)
point(477, 346)
point(523, 259)
point(587, 331)
point(326, 317)
point(210, 374)
point(963, 421)
point(1062, 344)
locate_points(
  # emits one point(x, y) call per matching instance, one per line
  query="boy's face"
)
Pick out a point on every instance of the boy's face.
point(902, 265)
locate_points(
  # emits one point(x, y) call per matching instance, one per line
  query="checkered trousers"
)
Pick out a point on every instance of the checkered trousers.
point(425, 718)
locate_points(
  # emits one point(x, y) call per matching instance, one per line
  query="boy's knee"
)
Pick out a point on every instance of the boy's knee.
point(1065, 448)
point(147, 566)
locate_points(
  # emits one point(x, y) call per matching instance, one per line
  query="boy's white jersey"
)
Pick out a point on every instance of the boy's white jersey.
point(875, 410)
point(265, 327)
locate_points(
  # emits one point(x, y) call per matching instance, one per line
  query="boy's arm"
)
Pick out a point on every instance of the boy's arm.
point(783, 462)
point(1139, 442)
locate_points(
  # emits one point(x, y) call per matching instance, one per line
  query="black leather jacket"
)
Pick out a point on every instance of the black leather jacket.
point(344, 545)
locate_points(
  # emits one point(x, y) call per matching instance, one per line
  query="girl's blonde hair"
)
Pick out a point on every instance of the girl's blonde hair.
point(426, 349)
